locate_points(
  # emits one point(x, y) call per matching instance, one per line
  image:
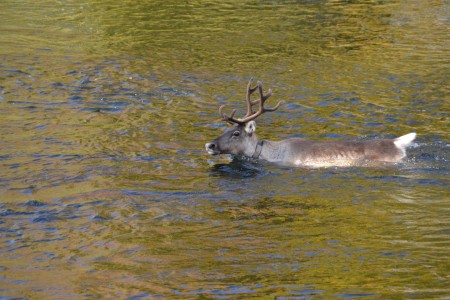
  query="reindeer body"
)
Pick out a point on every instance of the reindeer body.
point(241, 140)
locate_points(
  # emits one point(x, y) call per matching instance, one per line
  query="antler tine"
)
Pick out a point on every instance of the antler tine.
point(261, 101)
point(230, 119)
point(250, 103)
point(273, 108)
point(263, 97)
point(250, 114)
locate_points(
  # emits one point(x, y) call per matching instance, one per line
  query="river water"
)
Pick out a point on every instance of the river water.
point(106, 190)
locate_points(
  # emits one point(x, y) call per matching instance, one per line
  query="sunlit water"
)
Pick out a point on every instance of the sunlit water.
point(105, 187)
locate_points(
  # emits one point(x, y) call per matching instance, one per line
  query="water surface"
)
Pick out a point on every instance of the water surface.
point(105, 187)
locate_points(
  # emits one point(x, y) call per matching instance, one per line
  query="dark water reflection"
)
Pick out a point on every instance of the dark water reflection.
point(106, 191)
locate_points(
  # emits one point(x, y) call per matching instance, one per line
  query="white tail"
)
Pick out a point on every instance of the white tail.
point(404, 141)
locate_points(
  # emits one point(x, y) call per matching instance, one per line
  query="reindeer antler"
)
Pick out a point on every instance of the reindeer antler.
point(251, 115)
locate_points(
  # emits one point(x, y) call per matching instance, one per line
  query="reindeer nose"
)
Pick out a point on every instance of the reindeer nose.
point(210, 146)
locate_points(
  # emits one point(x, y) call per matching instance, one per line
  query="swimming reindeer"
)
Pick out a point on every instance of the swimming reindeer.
point(240, 140)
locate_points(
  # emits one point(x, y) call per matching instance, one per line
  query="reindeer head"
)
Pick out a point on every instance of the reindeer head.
point(240, 138)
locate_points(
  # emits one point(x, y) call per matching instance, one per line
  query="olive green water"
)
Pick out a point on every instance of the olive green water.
point(106, 190)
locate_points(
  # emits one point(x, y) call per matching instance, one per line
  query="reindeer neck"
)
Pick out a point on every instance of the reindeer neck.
point(272, 151)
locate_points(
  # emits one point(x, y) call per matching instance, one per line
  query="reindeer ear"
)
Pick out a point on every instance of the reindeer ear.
point(250, 127)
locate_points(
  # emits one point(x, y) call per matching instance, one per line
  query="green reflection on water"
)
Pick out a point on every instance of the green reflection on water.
point(105, 107)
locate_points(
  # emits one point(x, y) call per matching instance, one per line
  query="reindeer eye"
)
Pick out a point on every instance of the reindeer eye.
point(236, 133)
